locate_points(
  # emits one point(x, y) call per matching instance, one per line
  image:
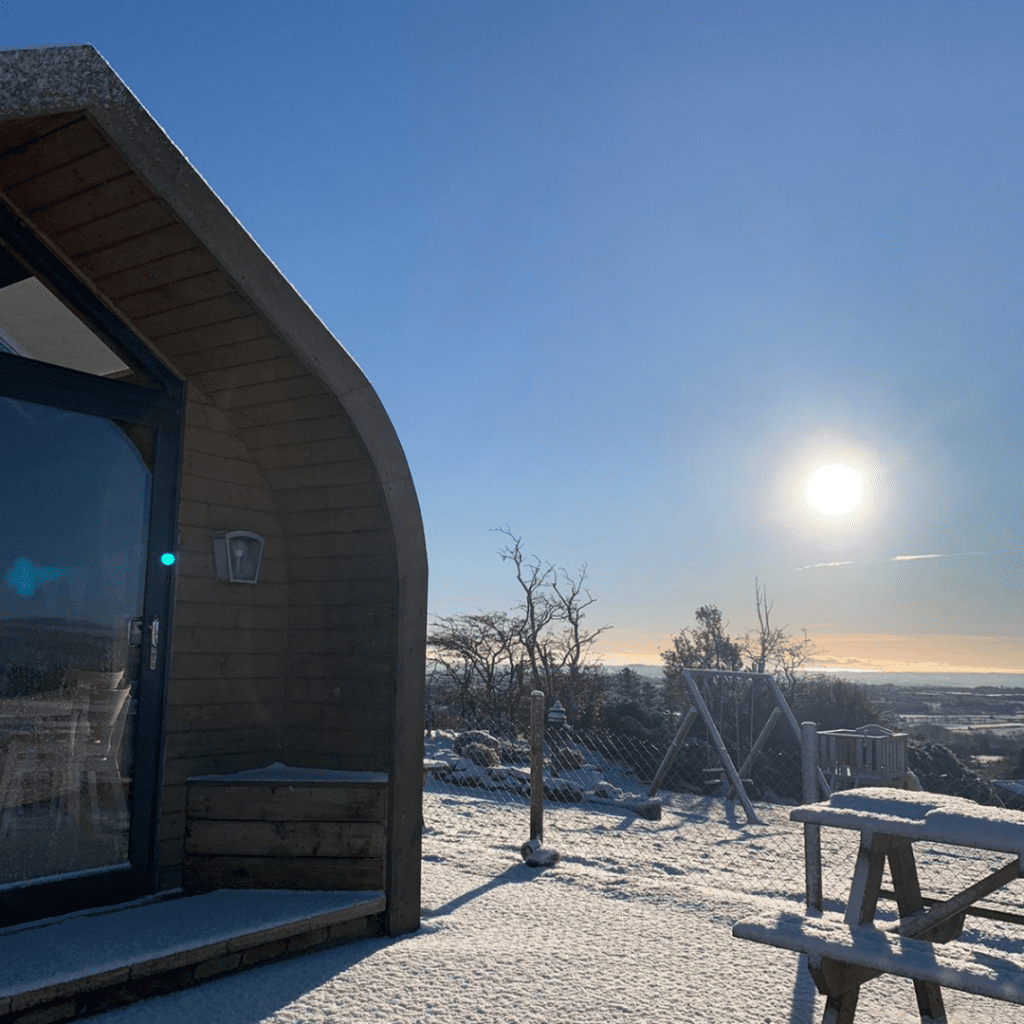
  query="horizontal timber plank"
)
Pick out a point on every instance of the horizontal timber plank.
point(219, 467)
point(172, 825)
point(229, 332)
point(172, 851)
point(65, 183)
point(178, 770)
point(341, 543)
point(339, 666)
point(155, 245)
point(365, 641)
point(355, 471)
point(344, 692)
point(265, 371)
point(237, 666)
point(231, 616)
point(243, 397)
point(352, 567)
point(113, 195)
point(216, 442)
point(55, 149)
point(206, 590)
point(330, 495)
point(198, 692)
point(263, 715)
point(134, 223)
point(342, 593)
point(143, 278)
point(246, 801)
point(172, 799)
point(329, 718)
point(264, 417)
point(284, 839)
point(360, 745)
point(227, 356)
point(199, 312)
point(377, 615)
point(206, 873)
point(342, 450)
point(202, 640)
point(21, 130)
point(218, 515)
point(336, 520)
point(331, 426)
point(173, 294)
point(219, 742)
point(198, 488)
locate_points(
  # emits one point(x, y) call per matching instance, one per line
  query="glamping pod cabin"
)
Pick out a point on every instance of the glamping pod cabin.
point(212, 564)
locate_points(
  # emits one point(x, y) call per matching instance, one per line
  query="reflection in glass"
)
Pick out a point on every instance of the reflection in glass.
point(72, 560)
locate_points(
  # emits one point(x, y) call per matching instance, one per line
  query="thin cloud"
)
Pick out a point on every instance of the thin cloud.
point(917, 558)
point(893, 558)
point(824, 565)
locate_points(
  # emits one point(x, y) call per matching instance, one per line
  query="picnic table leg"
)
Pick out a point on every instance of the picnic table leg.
point(907, 887)
point(867, 879)
point(841, 1006)
point(840, 1009)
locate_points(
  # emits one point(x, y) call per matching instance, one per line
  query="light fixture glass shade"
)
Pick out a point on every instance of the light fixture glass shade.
point(237, 555)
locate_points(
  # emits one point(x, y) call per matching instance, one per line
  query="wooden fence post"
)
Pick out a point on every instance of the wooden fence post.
point(537, 724)
point(812, 833)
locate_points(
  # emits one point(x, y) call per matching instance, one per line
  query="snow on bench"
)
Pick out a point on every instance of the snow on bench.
point(982, 971)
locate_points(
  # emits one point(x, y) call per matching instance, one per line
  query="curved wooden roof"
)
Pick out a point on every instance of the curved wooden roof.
point(281, 423)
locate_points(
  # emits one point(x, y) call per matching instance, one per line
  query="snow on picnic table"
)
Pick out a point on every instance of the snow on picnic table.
point(606, 935)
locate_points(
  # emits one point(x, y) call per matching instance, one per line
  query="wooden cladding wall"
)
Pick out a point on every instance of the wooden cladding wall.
point(252, 834)
point(302, 667)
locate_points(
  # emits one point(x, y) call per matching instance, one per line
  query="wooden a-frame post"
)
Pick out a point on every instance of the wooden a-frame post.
point(782, 710)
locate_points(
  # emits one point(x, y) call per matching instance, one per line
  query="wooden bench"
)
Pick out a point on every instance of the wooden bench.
point(842, 956)
point(286, 828)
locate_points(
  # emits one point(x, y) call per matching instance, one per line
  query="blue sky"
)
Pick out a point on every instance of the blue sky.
point(624, 274)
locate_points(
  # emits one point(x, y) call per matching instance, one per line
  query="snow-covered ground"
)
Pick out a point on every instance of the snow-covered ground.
point(612, 933)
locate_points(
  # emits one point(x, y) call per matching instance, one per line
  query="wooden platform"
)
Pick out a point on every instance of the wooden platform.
point(90, 962)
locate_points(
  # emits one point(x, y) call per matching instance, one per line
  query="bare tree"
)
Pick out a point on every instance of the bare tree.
point(773, 648)
point(486, 663)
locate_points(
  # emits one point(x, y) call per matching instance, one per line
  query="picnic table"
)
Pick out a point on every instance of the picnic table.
point(845, 951)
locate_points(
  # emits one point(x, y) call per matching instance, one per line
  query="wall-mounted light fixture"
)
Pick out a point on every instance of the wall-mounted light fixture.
point(237, 555)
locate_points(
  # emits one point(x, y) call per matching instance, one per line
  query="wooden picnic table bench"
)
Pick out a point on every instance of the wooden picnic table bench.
point(842, 956)
point(845, 952)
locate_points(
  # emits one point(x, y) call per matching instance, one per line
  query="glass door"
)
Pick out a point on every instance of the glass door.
point(73, 556)
point(90, 464)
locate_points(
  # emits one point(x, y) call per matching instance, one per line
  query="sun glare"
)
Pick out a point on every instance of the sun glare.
point(834, 490)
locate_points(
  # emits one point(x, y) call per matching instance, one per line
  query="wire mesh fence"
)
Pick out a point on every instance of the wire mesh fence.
point(598, 795)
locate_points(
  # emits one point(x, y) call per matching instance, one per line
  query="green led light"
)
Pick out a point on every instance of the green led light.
point(167, 558)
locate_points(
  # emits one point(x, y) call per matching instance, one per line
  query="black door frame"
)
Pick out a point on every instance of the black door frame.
point(160, 407)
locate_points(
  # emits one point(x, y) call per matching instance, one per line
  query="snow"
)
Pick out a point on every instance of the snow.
point(946, 819)
point(971, 968)
point(633, 924)
point(95, 942)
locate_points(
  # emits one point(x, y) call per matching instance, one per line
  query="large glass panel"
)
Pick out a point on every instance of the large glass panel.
point(76, 495)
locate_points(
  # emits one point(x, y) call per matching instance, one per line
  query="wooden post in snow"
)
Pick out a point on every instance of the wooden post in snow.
point(537, 725)
point(812, 833)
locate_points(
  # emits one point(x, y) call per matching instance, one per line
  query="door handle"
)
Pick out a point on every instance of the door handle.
point(154, 642)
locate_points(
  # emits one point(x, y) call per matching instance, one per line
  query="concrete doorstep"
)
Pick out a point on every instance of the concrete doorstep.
point(96, 960)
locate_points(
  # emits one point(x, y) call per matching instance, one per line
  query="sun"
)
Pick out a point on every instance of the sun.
point(834, 490)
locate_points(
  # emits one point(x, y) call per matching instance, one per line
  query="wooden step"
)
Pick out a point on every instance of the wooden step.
point(93, 961)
